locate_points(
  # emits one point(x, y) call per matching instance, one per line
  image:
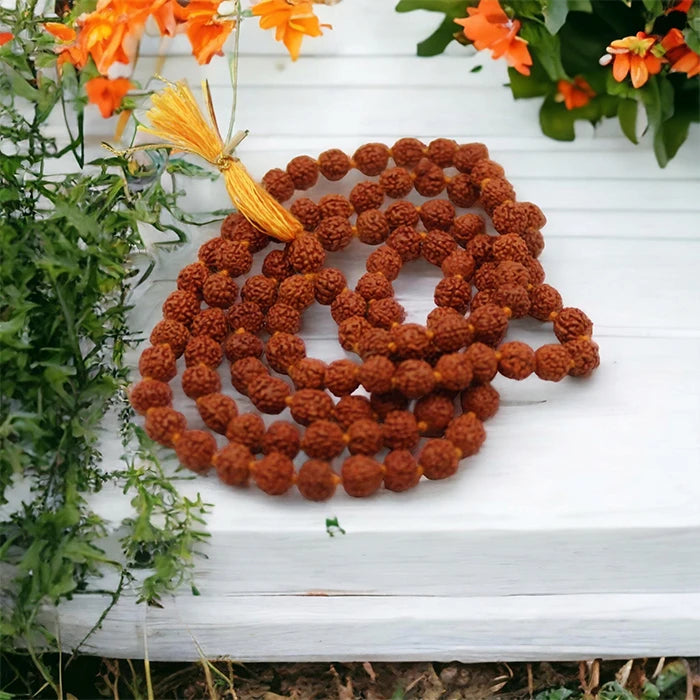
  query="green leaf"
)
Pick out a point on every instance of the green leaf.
point(554, 694)
point(580, 6)
point(614, 691)
point(691, 34)
point(454, 8)
point(556, 120)
point(583, 39)
point(672, 673)
point(523, 86)
point(438, 41)
point(654, 8)
point(555, 12)
point(627, 115)
point(657, 96)
point(545, 48)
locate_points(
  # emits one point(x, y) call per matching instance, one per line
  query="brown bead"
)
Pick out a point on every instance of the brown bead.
point(351, 330)
point(401, 471)
point(328, 284)
point(374, 342)
point(466, 227)
point(334, 233)
point(212, 322)
point(480, 248)
point(260, 290)
point(373, 285)
point(482, 298)
point(514, 297)
point(350, 409)
point(274, 473)
point(163, 424)
point(242, 371)
point(441, 152)
point(304, 172)
point(283, 350)
point(348, 304)
point(534, 240)
point(433, 413)
point(483, 361)
point(510, 247)
point(309, 405)
point(247, 429)
point(401, 213)
point(462, 191)
point(439, 314)
point(323, 439)
point(372, 227)
point(376, 374)
point(229, 224)
point(385, 260)
point(400, 430)
point(571, 324)
point(234, 257)
point(208, 252)
point(396, 182)
point(406, 241)
point(247, 315)
point(451, 333)
point(242, 344)
point(536, 218)
point(181, 306)
point(495, 191)
point(454, 371)
point(552, 362)
point(437, 245)
point(217, 410)
point(192, 277)
point(365, 437)
point(371, 158)
point(220, 290)
point(430, 179)
point(335, 205)
point(172, 333)
point(341, 377)
point(158, 362)
point(485, 276)
point(468, 155)
point(385, 313)
point(203, 350)
point(536, 271)
point(200, 380)
point(453, 292)
point(383, 404)
point(282, 318)
point(279, 184)
point(334, 164)
point(585, 356)
point(232, 464)
point(282, 436)
point(366, 195)
point(509, 272)
point(459, 262)
point(490, 324)
point(516, 360)
point(438, 459)
point(308, 373)
point(482, 400)
point(316, 480)
point(307, 212)
point(411, 340)
point(195, 450)
point(237, 228)
point(511, 217)
point(268, 394)
point(414, 378)
point(466, 433)
point(437, 214)
point(296, 291)
point(361, 476)
point(485, 168)
point(306, 254)
point(408, 151)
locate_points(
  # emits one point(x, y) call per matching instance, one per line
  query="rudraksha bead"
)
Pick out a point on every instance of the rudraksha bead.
point(482, 400)
point(316, 480)
point(437, 214)
point(260, 290)
point(204, 350)
point(366, 195)
point(466, 227)
point(181, 306)
point(323, 439)
point(584, 354)
point(430, 179)
point(459, 262)
point(372, 227)
point(396, 182)
point(510, 247)
point(371, 159)
point(247, 429)
point(192, 277)
point(453, 371)
point(217, 410)
point(351, 330)
point(305, 253)
point(552, 362)
point(485, 276)
point(309, 405)
point(296, 291)
point(348, 304)
point(462, 191)
point(384, 404)
point(453, 292)
point(374, 285)
point(242, 371)
point(480, 248)
point(514, 297)
point(208, 252)
point(510, 272)
point(331, 205)
point(482, 298)
point(441, 151)
point(365, 437)
point(466, 433)
point(537, 219)
point(406, 241)
point(172, 333)
point(212, 322)
point(376, 373)
point(350, 409)
point(163, 424)
point(274, 473)
point(438, 459)
point(304, 172)
point(468, 155)
point(234, 257)
point(243, 231)
point(483, 361)
point(158, 362)
point(268, 394)
point(571, 324)
point(195, 449)
point(434, 412)
point(308, 373)
point(385, 313)
point(307, 212)
point(220, 290)
point(334, 233)
point(534, 241)
point(242, 344)
point(375, 342)
point(334, 164)
point(511, 217)
point(284, 350)
point(451, 333)
point(483, 169)
point(361, 476)
point(386, 260)
point(536, 271)
point(408, 151)
point(401, 213)
point(400, 430)
point(414, 378)
point(516, 360)
point(341, 377)
point(412, 340)
point(282, 436)
point(437, 245)
point(401, 471)
point(282, 318)
point(439, 314)
point(279, 184)
point(328, 284)
point(495, 191)
point(490, 324)
point(247, 315)
point(200, 380)
point(232, 464)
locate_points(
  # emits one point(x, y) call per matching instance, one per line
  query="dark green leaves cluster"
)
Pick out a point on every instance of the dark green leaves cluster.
point(566, 39)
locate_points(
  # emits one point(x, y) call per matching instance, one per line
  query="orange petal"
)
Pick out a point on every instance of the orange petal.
point(519, 57)
point(5, 37)
point(639, 71)
point(292, 40)
point(621, 66)
point(60, 31)
point(492, 10)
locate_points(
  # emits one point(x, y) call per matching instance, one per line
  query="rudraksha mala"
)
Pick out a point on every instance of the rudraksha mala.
point(402, 366)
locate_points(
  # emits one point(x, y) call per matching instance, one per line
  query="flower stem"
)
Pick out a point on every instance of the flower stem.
point(233, 70)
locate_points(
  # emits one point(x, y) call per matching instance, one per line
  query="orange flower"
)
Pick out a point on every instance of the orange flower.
point(67, 49)
point(488, 27)
point(681, 57)
point(206, 30)
point(575, 93)
point(680, 6)
point(166, 14)
point(634, 55)
point(5, 37)
point(292, 19)
point(107, 94)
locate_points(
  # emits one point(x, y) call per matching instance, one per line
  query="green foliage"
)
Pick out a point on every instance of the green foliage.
point(333, 527)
